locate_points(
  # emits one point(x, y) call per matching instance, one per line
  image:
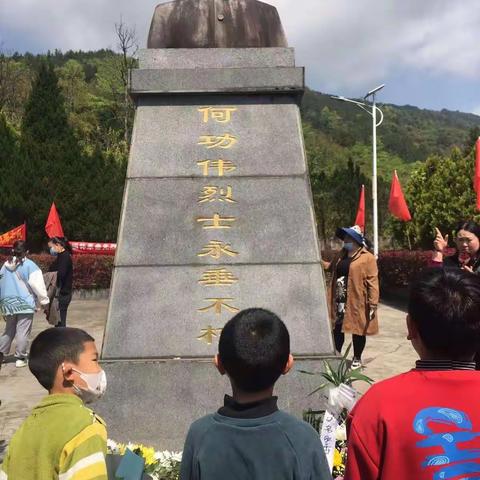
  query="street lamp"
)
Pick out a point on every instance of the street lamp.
point(375, 124)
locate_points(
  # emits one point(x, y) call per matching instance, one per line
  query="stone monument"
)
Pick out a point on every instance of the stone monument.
point(217, 216)
point(215, 24)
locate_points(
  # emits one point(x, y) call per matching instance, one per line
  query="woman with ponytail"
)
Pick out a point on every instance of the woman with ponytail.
point(63, 265)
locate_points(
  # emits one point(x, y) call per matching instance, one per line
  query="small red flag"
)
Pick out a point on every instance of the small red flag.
point(53, 226)
point(397, 204)
point(18, 233)
point(360, 219)
point(476, 180)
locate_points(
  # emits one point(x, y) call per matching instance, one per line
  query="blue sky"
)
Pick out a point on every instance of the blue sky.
point(425, 51)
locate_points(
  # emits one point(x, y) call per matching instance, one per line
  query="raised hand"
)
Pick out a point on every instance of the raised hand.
point(440, 243)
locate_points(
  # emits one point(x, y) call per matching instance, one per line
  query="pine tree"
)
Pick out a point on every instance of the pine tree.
point(10, 213)
point(53, 167)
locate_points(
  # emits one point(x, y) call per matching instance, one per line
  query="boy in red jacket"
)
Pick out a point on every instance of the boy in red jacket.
point(425, 424)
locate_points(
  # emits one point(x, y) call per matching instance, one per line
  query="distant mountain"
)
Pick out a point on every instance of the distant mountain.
point(408, 132)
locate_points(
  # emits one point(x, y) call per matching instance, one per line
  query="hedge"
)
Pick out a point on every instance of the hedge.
point(90, 272)
point(396, 268)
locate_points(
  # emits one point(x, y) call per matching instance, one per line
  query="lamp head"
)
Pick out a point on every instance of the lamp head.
point(375, 90)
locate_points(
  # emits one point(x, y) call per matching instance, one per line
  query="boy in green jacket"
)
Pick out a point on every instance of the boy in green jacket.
point(61, 439)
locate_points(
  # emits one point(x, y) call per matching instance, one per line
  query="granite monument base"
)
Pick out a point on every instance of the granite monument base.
point(154, 402)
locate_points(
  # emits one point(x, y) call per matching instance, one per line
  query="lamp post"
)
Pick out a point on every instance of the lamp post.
point(373, 113)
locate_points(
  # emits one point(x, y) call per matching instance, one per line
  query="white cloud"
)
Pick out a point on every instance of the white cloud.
point(347, 45)
point(354, 45)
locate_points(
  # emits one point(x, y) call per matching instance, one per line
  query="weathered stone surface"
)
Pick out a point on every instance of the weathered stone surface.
point(155, 313)
point(225, 80)
point(161, 221)
point(216, 23)
point(164, 303)
point(167, 132)
point(155, 402)
point(185, 58)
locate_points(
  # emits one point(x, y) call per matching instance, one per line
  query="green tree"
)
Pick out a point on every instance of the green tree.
point(473, 136)
point(71, 79)
point(440, 194)
point(53, 166)
point(10, 215)
point(15, 81)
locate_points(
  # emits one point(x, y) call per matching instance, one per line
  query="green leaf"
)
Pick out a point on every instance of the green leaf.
point(355, 375)
point(321, 387)
point(331, 373)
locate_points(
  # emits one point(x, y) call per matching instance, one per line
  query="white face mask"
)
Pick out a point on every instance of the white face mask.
point(96, 386)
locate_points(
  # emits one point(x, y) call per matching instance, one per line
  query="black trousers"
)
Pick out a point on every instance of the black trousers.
point(359, 342)
point(63, 303)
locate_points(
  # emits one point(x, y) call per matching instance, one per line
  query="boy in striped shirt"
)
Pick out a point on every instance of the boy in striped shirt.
point(62, 438)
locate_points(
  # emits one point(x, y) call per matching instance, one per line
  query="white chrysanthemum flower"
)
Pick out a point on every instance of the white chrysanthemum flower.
point(112, 446)
point(341, 433)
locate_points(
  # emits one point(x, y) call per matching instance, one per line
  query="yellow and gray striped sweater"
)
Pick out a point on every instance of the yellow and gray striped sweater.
point(61, 439)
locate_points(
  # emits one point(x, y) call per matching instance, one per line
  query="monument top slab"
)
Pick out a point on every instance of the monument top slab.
point(187, 58)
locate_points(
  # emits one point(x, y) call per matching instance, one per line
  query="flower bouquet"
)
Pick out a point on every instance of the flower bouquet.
point(158, 465)
point(331, 423)
point(340, 453)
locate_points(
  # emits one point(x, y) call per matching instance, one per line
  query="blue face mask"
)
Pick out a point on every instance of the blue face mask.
point(53, 252)
point(348, 246)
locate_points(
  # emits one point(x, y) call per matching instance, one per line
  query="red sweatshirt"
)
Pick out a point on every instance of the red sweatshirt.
point(421, 425)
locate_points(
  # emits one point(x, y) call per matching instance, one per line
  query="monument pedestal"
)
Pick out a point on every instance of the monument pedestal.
point(154, 402)
point(217, 217)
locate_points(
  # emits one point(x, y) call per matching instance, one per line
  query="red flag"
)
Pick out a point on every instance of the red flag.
point(18, 233)
point(53, 227)
point(360, 219)
point(476, 180)
point(397, 204)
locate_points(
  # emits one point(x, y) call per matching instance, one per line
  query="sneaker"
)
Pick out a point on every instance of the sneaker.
point(356, 364)
point(21, 363)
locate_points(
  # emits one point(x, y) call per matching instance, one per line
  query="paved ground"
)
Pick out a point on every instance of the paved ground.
point(386, 354)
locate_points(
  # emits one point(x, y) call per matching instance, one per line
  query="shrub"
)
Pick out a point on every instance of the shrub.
point(90, 272)
point(397, 268)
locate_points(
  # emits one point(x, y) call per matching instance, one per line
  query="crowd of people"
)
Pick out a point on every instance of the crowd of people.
point(422, 424)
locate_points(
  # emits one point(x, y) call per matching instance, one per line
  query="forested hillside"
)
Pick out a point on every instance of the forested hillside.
point(65, 124)
point(338, 141)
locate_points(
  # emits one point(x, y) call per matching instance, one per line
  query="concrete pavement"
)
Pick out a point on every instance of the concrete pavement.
point(385, 355)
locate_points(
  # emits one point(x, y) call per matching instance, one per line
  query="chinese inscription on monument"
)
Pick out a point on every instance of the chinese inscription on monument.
point(217, 193)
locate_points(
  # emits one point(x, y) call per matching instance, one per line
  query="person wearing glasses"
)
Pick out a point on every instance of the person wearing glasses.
point(467, 254)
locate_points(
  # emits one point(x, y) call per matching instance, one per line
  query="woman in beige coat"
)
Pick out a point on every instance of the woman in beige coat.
point(354, 292)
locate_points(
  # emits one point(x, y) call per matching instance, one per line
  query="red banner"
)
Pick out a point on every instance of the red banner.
point(92, 248)
point(8, 239)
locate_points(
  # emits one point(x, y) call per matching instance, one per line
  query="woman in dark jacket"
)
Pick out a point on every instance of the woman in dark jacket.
point(467, 255)
point(63, 265)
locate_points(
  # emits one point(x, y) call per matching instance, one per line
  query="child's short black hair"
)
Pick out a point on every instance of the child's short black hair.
point(254, 348)
point(51, 348)
point(445, 307)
